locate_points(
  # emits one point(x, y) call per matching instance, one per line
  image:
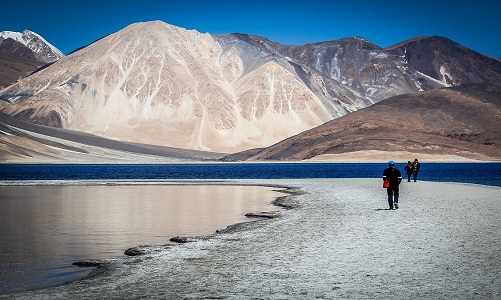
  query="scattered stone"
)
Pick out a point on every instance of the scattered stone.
point(264, 214)
point(146, 249)
point(89, 263)
point(135, 251)
point(238, 227)
point(183, 239)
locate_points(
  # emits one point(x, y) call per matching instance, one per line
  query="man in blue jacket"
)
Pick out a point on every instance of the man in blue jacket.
point(394, 176)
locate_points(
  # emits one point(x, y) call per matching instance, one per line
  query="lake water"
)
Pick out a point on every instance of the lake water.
point(44, 229)
point(479, 173)
point(54, 215)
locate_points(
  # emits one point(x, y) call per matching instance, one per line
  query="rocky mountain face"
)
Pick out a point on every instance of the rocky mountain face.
point(158, 84)
point(447, 61)
point(30, 45)
point(461, 121)
point(23, 53)
point(17, 49)
point(14, 68)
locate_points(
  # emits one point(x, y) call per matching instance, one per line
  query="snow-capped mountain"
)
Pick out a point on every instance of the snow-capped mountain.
point(43, 51)
point(155, 83)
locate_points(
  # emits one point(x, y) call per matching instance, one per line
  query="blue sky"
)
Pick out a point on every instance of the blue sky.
point(71, 24)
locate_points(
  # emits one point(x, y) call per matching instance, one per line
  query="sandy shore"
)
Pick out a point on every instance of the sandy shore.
point(375, 156)
point(340, 243)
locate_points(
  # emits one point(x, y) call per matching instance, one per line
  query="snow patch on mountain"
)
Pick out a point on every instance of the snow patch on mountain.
point(446, 77)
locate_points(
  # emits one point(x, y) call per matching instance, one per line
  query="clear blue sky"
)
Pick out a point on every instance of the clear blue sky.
point(71, 24)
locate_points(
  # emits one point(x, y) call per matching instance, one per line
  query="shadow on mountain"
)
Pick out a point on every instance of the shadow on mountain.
point(22, 141)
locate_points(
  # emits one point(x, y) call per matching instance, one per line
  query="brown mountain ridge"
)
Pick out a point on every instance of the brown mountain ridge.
point(462, 121)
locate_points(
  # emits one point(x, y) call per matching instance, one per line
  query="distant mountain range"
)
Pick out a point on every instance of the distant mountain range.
point(21, 53)
point(157, 84)
point(461, 121)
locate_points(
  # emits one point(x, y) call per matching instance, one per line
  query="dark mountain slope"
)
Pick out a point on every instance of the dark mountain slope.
point(448, 61)
point(23, 141)
point(16, 61)
point(463, 121)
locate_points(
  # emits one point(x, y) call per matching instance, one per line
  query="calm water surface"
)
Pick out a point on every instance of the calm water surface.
point(44, 229)
point(480, 173)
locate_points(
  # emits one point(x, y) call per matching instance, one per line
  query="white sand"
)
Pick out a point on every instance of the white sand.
point(443, 243)
point(376, 156)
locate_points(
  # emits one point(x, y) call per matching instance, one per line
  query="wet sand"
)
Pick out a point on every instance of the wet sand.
point(340, 242)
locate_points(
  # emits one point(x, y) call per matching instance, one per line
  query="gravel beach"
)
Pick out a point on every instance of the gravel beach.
point(340, 242)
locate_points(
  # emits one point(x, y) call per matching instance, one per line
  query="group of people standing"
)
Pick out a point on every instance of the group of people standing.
point(392, 178)
point(412, 168)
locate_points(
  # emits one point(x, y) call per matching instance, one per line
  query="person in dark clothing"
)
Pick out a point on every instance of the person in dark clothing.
point(409, 170)
point(394, 176)
point(415, 169)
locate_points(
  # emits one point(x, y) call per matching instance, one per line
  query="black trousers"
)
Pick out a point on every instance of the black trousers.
point(415, 174)
point(392, 195)
point(409, 176)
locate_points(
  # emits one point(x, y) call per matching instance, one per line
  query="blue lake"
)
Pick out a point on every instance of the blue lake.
point(478, 173)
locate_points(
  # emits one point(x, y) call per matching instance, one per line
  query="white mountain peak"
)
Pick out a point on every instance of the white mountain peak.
point(44, 50)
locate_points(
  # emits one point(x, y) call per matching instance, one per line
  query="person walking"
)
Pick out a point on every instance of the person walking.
point(394, 177)
point(415, 169)
point(409, 170)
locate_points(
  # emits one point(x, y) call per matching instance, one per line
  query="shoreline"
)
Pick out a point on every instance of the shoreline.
point(255, 218)
point(332, 247)
point(202, 162)
point(306, 161)
point(142, 251)
point(99, 266)
point(365, 156)
point(334, 262)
